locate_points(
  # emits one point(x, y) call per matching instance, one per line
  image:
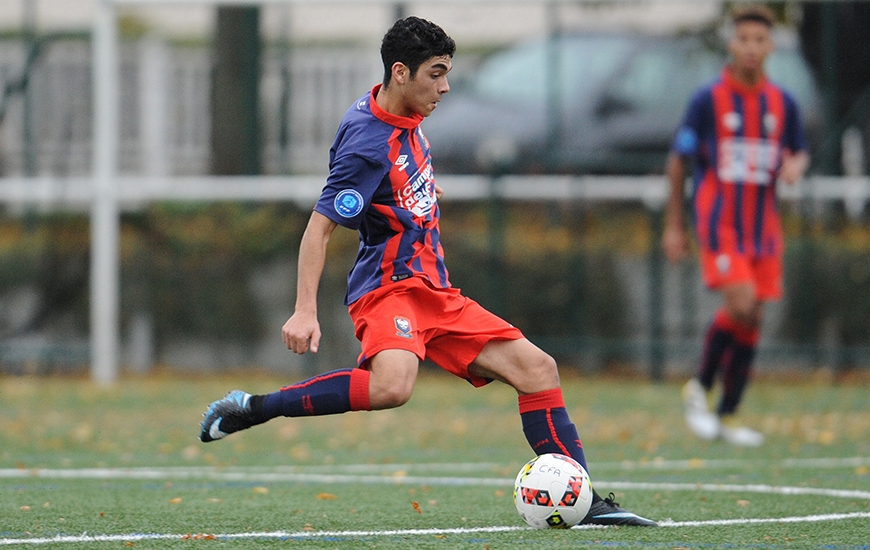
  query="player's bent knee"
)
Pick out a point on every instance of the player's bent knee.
point(389, 398)
point(539, 374)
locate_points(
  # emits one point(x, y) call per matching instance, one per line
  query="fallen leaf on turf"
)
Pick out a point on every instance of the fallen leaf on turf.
point(214, 500)
point(697, 463)
point(743, 503)
point(25, 508)
point(326, 496)
point(862, 470)
point(176, 500)
point(307, 527)
point(261, 490)
point(499, 493)
point(128, 543)
point(416, 506)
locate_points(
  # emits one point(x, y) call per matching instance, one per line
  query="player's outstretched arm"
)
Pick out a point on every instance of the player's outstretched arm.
point(675, 241)
point(302, 331)
point(793, 166)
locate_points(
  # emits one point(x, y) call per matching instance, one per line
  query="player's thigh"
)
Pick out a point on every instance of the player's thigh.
point(518, 363)
point(741, 301)
point(393, 375)
point(767, 271)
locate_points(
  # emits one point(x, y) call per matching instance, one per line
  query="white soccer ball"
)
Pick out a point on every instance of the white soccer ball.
point(552, 491)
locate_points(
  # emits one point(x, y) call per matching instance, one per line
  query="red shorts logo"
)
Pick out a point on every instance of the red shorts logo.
point(403, 327)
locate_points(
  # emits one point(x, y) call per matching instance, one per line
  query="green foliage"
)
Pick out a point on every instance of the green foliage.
point(828, 284)
point(190, 265)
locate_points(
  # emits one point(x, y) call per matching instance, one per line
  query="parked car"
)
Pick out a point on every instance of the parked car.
point(589, 103)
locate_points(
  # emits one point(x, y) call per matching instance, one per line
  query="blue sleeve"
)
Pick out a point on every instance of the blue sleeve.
point(793, 136)
point(688, 137)
point(349, 188)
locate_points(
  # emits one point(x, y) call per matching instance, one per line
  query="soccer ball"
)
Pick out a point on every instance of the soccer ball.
point(552, 491)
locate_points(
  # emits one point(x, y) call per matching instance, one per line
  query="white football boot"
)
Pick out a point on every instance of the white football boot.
point(700, 420)
point(734, 433)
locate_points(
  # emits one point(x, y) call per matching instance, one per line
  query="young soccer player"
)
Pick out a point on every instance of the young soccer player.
point(399, 296)
point(743, 134)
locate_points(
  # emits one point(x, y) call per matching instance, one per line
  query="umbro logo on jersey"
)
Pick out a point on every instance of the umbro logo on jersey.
point(402, 162)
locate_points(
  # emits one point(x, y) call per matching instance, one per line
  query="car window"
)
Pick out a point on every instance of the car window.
point(662, 77)
point(520, 75)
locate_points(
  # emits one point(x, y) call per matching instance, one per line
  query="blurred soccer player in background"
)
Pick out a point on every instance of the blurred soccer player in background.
point(399, 296)
point(743, 134)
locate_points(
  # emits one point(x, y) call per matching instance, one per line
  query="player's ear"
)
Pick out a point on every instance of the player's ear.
point(400, 73)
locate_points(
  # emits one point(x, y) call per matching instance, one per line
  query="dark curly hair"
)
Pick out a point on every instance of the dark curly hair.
point(755, 13)
point(412, 41)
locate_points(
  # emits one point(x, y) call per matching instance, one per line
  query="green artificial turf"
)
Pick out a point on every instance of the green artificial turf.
point(124, 462)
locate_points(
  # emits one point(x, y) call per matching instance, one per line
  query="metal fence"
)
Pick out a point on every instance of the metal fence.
point(46, 129)
point(574, 261)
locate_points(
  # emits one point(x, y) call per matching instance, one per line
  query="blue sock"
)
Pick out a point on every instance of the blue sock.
point(735, 377)
point(547, 426)
point(334, 392)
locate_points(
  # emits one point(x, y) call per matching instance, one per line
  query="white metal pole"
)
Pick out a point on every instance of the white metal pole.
point(105, 222)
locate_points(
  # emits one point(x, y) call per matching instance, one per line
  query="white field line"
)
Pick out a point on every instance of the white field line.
point(399, 478)
point(134, 537)
point(338, 471)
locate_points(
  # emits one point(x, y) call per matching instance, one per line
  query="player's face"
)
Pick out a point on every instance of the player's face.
point(424, 91)
point(750, 45)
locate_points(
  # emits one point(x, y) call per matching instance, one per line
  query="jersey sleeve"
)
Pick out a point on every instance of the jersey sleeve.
point(349, 188)
point(687, 139)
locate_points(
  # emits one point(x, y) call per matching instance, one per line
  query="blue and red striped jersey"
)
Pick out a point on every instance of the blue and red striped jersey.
point(381, 183)
point(737, 135)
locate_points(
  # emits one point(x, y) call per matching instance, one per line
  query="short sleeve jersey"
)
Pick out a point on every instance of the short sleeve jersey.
point(381, 183)
point(737, 135)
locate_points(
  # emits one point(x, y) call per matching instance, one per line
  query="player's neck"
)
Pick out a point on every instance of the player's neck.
point(747, 77)
point(391, 102)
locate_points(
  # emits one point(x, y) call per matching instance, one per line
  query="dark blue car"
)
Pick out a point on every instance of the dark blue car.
point(590, 103)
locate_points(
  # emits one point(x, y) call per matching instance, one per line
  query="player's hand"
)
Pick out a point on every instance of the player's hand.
point(301, 332)
point(438, 192)
point(675, 243)
point(793, 166)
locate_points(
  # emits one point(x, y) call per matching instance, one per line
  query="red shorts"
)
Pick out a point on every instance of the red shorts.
point(727, 268)
point(441, 325)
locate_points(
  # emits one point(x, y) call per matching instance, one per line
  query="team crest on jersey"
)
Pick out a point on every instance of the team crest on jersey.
point(770, 123)
point(348, 203)
point(403, 327)
point(423, 138)
point(723, 263)
point(731, 121)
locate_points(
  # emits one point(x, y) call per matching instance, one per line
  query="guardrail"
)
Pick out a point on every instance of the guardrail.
point(132, 192)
